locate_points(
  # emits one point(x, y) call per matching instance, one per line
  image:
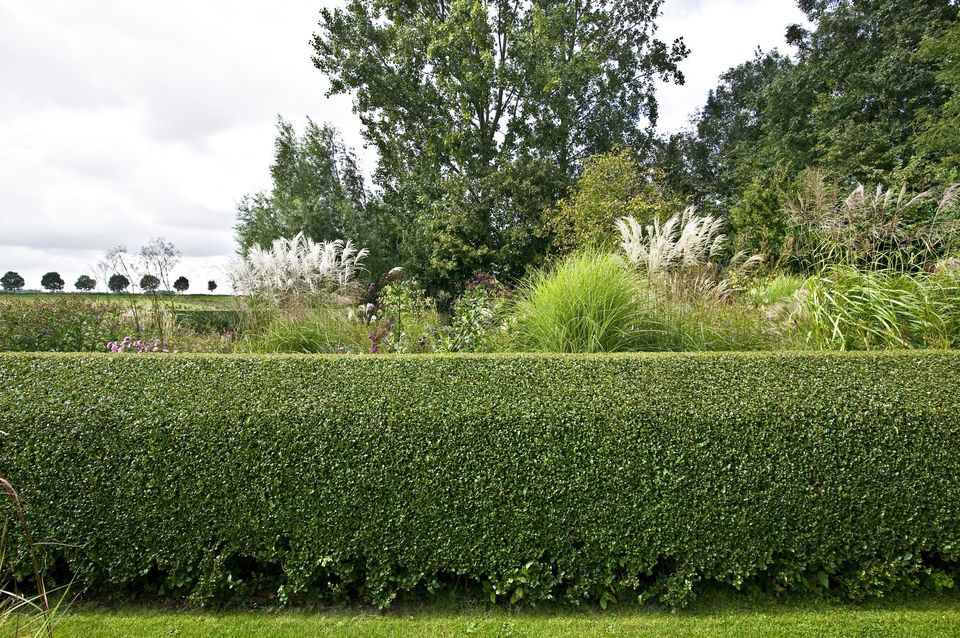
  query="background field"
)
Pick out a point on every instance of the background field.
point(189, 301)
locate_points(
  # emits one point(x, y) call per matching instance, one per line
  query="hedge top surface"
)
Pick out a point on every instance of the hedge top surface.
point(726, 354)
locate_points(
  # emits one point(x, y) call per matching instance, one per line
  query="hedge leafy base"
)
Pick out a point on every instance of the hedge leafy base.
point(570, 478)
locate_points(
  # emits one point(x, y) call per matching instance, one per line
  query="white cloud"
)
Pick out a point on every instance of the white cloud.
point(720, 34)
point(121, 121)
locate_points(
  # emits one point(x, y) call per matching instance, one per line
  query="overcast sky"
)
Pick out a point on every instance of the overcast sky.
point(121, 121)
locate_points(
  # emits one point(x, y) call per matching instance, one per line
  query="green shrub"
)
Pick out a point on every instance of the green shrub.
point(476, 322)
point(527, 477)
point(612, 185)
point(406, 319)
point(209, 321)
point(759, 221)
point(65, 323)
point(589, 302)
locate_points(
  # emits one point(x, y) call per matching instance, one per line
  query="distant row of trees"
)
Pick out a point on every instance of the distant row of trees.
point(152, 266)
point(117, 283)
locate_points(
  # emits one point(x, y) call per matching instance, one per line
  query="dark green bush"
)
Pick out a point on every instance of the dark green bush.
point(209, 321)
point(533, 477)
point(759, 221)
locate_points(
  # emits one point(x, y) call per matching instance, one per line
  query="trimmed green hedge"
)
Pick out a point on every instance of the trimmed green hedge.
point(526, 477)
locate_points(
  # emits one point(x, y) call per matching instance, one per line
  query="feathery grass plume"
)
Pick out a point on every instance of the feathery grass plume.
point(949, 199)
point(880, 229)
point(681, 256)
point(684, 240)
point(296, 266)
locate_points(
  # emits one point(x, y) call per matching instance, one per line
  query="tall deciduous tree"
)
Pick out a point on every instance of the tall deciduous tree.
point(711, 164)
point(861, 61)
point(939, 140)
point(482, 111)
point(317, 190)
point(612, 185)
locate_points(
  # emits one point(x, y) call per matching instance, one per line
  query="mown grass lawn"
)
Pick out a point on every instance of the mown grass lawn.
point(928, 616)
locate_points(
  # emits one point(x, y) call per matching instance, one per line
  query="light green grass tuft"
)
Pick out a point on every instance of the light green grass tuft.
point(586, 303)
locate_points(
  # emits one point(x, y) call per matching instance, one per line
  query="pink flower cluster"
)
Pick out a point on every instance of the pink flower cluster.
point(138, 346)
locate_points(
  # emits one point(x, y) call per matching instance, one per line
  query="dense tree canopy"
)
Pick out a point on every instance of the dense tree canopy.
point(317, 189)
point(149, 283)
point(52, 281)
point(118, 283)
point(864, 76)
point(861, 62)
point(939, 139)
point(482, 112)
point(86, 283)
point(711, 164)
point(12, 281)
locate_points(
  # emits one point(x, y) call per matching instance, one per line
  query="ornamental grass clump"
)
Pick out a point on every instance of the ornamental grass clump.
point(322, 329)
point(880, 228)
point(849, 309)
point(690, 288)
point(586, 303)
point(25, 614)
point(686, 240)
point(683, 258)
point(297, 266)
